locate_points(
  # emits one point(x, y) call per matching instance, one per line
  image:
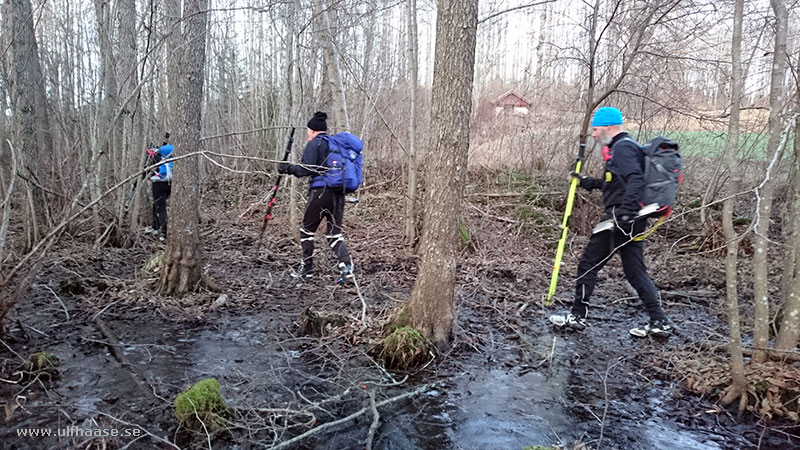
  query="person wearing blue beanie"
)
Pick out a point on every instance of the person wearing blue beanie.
point(607, 116)
point(622, 185)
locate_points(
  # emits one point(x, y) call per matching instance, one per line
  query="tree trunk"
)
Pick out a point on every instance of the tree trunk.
point(131, 139)
point(761, 239)
point(738, 388)
point(430, 308)
point(295, 102)
point(173, 39)
point(183, 261)
point(790, 325)
point(339, 118)
point(105, 132)
point(411, 192)
point(31, 118)
point(592, 78)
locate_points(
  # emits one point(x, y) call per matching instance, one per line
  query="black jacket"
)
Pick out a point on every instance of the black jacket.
point(315, 154)
point(623, 183)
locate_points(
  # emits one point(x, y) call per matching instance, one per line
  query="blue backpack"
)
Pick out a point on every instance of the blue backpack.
point(344, 163)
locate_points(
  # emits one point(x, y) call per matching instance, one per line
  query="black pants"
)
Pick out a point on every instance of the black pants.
point(598, 251)
point(161, 192)
point(324, 203)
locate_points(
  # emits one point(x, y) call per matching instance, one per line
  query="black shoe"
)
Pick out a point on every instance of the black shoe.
point(570, 321)
point(306, 272)
point(345, 273)
point(656, 328)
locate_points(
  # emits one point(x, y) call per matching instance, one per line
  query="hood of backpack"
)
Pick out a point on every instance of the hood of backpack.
point(347, 141)
point(165, 150)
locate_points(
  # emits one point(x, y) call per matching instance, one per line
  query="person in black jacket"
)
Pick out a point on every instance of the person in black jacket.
point(323, 202)
point(622, 186)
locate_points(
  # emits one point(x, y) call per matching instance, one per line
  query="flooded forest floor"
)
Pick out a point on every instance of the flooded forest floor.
point(509, 380)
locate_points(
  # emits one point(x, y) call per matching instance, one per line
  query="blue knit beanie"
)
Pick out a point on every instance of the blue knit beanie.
point(607, 116)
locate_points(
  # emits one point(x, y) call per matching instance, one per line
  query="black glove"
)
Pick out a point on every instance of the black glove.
point(623, 217)
point(577, 175)
point(284, 167)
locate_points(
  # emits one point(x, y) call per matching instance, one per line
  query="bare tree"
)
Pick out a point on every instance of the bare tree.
point(334, 88)
point(430, 308)
point(411, 192)
point(606, 79)
point(790, 325)
point(31, 117)
point(761, 239)
point(183, 262)
point(130, 92)
point(738, 387)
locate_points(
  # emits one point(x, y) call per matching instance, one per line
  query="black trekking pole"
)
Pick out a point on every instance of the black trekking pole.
point(274, 192)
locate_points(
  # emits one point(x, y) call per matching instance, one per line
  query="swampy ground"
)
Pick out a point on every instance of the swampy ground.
point(508, 381)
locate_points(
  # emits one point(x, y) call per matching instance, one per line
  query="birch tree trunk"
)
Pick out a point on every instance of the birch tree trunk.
point(738, 387)
point(183, 260)
point(430, 308)
point(761, 239)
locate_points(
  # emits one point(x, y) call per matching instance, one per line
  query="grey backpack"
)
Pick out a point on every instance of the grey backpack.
point(662, 173)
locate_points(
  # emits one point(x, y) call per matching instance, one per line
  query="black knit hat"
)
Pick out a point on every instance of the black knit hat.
point(318, 122)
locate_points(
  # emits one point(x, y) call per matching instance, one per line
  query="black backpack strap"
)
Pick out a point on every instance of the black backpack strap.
point(628, 138)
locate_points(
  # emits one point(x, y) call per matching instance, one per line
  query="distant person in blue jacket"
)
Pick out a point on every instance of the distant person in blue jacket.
point(162, 188)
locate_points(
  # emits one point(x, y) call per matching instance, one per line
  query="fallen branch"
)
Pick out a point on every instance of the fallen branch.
point(375, 421)
point(160, 439)
point(361, 411)
point(500, 218)
point(114, 345)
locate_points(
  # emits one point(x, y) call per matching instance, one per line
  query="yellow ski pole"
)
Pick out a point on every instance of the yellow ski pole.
point(573, 186)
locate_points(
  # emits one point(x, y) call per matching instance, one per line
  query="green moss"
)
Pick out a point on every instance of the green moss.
point(204, 398)
point(43, 360)
point(41, 365)
point(404, 348)
point(463, 232)
point(153, 264)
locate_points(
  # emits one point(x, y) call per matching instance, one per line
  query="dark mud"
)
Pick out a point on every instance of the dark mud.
point(508, 382)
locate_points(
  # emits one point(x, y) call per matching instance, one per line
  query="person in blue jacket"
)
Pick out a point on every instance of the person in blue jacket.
point(323, 203)
point(162, 188)
point(622, 185)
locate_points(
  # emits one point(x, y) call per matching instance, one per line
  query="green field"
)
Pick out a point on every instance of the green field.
point(710, 143)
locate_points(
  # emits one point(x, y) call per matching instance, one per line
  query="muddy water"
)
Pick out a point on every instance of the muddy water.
point(474, 404)
point(500, 409)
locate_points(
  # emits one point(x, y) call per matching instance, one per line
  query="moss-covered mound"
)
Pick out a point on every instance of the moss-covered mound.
point(42, 365)
point(203, 401)
point(320, 323)
point(404, 348)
